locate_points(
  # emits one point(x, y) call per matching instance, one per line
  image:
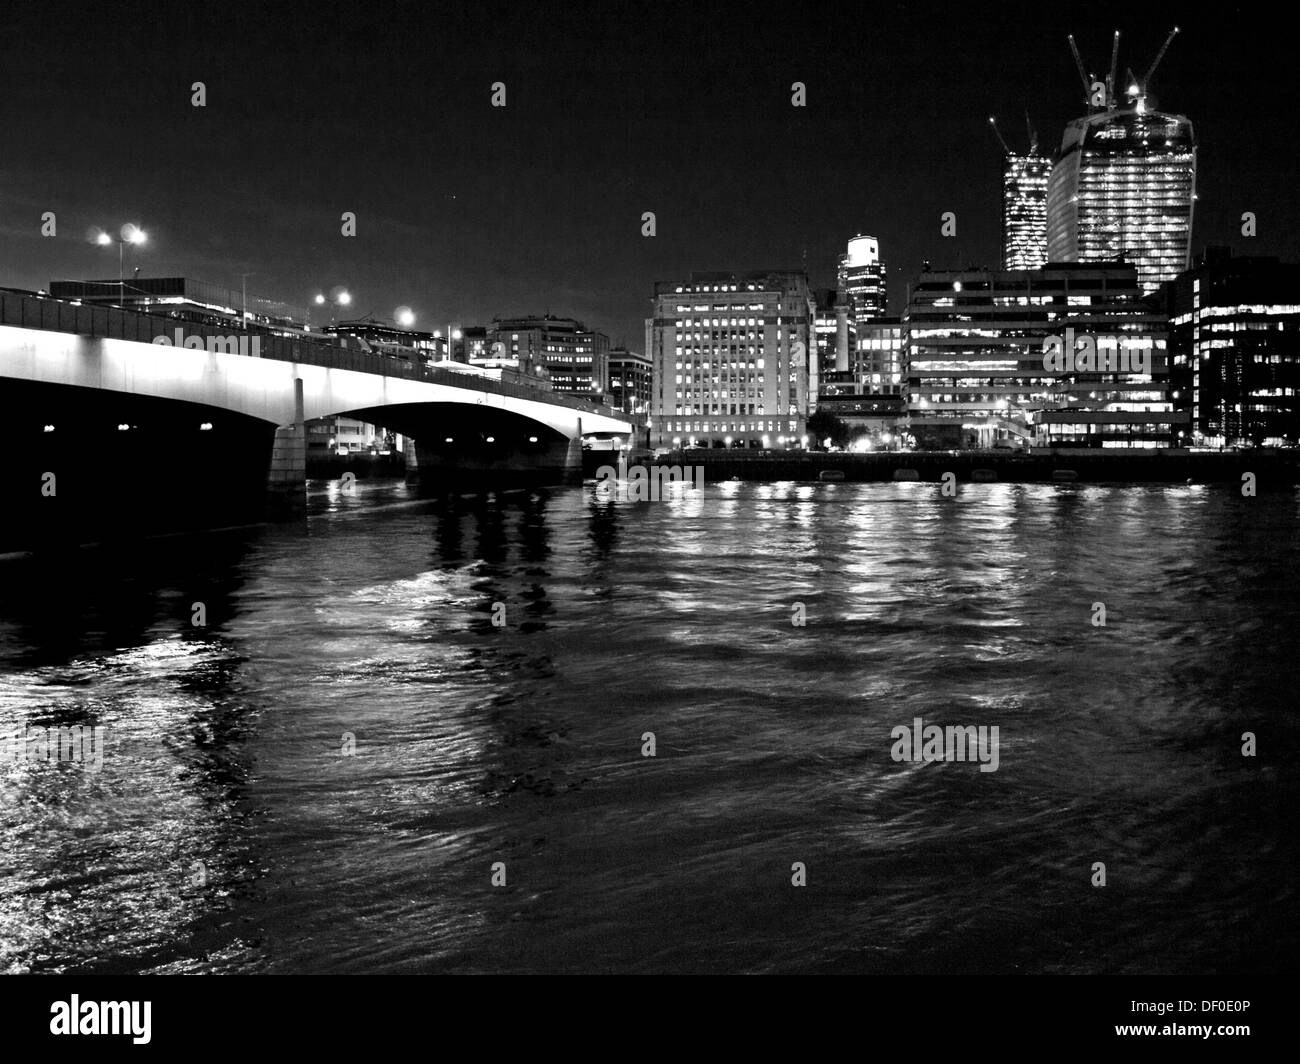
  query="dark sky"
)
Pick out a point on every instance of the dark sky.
point(466, 211)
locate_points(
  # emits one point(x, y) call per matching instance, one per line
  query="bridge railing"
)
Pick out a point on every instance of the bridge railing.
point(56, 315)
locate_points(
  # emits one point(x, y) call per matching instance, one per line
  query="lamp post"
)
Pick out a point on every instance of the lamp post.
point(453, 334)
point(128, 234)
point(243, 285)
point(338, 297)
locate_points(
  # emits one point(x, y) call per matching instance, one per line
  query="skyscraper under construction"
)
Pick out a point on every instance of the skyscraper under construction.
point(1024, 204)
point(1124, 181)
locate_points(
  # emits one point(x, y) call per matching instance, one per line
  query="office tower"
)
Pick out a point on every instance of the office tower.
point(862, 280)
point(1024, 203)
point(1234, 349)
point(732, 355)
point(1124, 182)
point(976, 373)
point(1024, 211)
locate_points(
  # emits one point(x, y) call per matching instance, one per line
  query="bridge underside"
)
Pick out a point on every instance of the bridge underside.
point(124, 464)
point(473, 445)
point(163, 471)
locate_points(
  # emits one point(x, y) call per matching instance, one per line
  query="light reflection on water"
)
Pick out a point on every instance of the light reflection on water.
point(477, 744)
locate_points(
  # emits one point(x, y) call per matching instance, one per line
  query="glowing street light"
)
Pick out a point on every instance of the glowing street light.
point(404, 316)
point(338, 297)
point(128, 234)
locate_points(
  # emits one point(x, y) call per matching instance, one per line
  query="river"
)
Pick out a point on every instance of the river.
point(348, 767)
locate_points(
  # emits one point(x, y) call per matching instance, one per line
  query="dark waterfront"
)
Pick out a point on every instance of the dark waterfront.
point(522, 744)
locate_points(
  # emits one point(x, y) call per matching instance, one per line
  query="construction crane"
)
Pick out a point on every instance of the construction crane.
point(1083, 75)
point(1110, 78)
point(1146, 81)
point(998, 133)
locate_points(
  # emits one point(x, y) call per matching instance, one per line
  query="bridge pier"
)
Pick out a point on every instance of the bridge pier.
point(286, 479)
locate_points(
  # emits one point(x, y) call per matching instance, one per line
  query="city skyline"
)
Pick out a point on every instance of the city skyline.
point(466, 212)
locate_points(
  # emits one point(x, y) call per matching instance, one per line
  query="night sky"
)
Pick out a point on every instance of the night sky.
point(466, 211)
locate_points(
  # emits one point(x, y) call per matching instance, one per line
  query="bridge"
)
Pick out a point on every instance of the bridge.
point(87, 378)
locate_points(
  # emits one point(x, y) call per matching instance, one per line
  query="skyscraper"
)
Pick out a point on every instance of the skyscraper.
point(1124, 182)
point(1024, 211)
point(732, 356)
point(862, 280)
point(1024, 203)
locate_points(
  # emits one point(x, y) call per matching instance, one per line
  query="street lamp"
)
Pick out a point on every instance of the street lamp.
point(128, 234)
point(243, 285)
point(338, 297)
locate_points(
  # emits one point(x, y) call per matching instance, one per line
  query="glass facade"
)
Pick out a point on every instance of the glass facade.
point(1024, 211)
point(1123, 186)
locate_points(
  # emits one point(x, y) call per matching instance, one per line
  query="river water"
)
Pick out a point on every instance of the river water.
point(329, 774)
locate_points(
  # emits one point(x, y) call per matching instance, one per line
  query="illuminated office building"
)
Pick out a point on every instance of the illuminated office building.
point(976, 373)
point(1124, 182)
point(734, 360)
point(862, 280)
point(574, 358)
point(1235, 350)
point(630, 374)
point(1024, 211)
